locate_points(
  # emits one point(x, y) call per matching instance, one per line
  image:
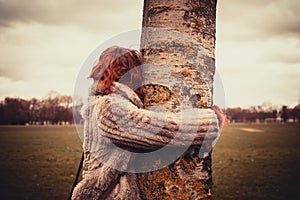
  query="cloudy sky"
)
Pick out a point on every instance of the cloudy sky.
point(44, 43)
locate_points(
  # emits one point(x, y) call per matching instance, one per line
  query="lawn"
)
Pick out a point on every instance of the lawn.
point(257, 165)
point(38, 162)
point(249, 162)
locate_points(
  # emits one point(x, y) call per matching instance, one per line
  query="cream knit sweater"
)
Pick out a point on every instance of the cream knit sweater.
point(116, 123)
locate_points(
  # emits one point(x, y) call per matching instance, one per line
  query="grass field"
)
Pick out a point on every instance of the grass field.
point(249, 162)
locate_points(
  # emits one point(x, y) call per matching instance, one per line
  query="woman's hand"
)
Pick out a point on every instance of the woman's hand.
point(221, 116)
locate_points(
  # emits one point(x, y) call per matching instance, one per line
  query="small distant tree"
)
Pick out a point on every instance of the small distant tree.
point(296, 112)
point(284, 113)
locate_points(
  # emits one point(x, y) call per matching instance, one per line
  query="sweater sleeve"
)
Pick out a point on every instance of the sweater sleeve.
point(128, 125)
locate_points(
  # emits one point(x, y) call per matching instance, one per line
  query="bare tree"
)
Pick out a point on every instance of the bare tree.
point(178, 44)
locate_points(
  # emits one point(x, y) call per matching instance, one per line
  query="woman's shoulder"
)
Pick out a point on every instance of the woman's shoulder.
point(121, 94)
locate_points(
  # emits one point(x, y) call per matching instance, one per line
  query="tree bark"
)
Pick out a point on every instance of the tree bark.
point(178, 44)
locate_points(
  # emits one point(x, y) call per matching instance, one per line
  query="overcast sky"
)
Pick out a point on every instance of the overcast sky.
point(44, 43)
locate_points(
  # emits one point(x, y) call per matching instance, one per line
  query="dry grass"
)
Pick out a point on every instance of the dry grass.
point(40, 162)
point(257, 165)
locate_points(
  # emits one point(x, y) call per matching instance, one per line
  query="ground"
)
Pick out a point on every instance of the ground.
point(249, 162)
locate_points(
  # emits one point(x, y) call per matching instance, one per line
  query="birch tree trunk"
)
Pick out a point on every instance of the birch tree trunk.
point(178, 44)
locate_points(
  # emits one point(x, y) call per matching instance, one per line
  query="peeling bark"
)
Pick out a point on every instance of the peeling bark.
point(178, 44)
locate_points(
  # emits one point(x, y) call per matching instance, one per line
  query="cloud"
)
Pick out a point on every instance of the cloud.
point(281, 18)
point(285, 50)
point(92, 14)
point(58, 33)
point(256, 71)
point(44, 43)
point(259, 19)
point(247, 85)
point(29, 51)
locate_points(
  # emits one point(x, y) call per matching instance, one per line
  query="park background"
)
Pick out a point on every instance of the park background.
point(44, 43)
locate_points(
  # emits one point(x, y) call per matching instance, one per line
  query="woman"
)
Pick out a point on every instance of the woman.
point(115, 124)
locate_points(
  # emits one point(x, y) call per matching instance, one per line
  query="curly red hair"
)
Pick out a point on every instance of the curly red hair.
point(113, 64)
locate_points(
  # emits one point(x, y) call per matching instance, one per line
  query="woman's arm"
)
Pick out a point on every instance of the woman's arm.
point(130, 126)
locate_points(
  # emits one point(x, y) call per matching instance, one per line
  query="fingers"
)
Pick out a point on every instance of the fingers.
point(221, 116)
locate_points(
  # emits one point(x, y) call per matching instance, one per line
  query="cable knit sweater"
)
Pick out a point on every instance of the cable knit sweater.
point(116, 123)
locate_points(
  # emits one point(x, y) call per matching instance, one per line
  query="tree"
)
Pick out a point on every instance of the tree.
point(53, 109)
point(285, 113)
point(178, 43)
point(296, 112)
point(14, 111)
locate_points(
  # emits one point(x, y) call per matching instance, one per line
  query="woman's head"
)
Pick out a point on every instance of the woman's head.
point(113, 63)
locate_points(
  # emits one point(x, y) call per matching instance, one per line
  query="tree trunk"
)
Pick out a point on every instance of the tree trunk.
point(178, 43)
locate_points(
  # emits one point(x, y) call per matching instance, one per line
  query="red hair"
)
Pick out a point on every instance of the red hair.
point(112, 65)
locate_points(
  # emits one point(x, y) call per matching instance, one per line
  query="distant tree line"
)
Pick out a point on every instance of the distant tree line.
point(264, 113)
point(54, 109)
point(59, 109)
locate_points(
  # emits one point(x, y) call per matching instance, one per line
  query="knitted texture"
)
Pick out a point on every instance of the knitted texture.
point(116, 123)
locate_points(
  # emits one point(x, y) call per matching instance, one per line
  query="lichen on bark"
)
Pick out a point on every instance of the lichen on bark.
point(178, 43)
